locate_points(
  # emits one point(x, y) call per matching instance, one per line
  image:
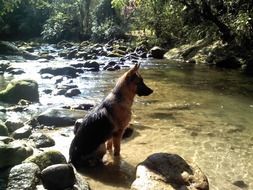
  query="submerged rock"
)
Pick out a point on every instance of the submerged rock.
point(13, 153)
point(169, 172)
point(23, 176)
point(58, 176)
point(47, 158)
point(20, 89)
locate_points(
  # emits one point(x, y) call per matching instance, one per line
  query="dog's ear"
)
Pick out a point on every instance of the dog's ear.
point(134, 69)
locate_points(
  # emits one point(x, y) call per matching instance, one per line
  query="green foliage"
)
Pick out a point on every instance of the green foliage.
point(106, 31)
point(23, 22)
point(107, 23)
point(63, 23)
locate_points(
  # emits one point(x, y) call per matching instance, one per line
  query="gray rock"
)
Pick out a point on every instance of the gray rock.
point(13, 153)
point(6, 139)
point(72, 92)
point(23, 176)
point(42, 140)
point(58, 176)
point(169, 172)
point(59, 117)
point(157, 52)
point(3, 129)
point(22, 133)
point(62, 71)
point(92, 66)
point(13, 125)
point(47, 158)
point(20, 89)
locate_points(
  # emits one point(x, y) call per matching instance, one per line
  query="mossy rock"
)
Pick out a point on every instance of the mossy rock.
point(13, 153)
point(47, 158)
point(20, 89)
point(3, 129)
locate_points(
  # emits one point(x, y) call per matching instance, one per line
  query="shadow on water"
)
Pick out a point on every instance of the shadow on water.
point(114, 172)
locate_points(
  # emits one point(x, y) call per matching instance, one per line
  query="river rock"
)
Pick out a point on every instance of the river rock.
point(20, 89)
point(13, 125)
point(3, 129)
point(47, 158)
point(42, 140)
point(72, 92)
point(59, 117)
point(23, 176)
point(58, 176)
point(8, 48)
point(6, 139)
point(157, 52)
point(68, 71)
point(13, 153)
point(15, 71)
point(91, 66)
point(22, 133)
point(168, 172)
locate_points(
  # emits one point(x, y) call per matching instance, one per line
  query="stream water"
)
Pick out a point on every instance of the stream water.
point(202, 114)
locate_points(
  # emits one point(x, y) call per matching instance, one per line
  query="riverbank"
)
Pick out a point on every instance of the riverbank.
point(191, 113)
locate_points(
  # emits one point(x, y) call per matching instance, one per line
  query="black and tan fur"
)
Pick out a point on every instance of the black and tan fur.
point(107, 122)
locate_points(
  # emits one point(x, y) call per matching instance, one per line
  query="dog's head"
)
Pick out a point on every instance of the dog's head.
point(136, 82)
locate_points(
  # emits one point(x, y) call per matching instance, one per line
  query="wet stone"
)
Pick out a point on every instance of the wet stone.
point(72, 92)
point(240, 184)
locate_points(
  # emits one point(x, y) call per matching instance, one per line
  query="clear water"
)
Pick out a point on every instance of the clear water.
point(201, 114)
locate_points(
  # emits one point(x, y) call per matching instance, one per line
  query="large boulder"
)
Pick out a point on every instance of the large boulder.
point(23, 176)
point(20, 89)
point(47, 158)
point(13, 153)
point(157, 52)
point(168, 172)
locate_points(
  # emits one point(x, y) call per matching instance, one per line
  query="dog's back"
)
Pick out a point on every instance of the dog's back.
point(95, 129)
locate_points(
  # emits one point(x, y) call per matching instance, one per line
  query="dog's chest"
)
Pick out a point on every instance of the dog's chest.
point(121, 116)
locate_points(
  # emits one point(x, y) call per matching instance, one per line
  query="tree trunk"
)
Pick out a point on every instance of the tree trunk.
point(85, 19)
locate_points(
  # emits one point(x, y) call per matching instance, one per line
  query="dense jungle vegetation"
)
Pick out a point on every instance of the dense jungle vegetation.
point(167, 23)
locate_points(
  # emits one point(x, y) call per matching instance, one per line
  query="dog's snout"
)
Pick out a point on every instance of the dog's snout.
point(143, 90)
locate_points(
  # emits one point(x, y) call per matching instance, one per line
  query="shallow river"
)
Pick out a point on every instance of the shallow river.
point(203, 115)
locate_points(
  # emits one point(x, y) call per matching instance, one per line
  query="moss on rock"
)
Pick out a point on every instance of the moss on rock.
point(20, 89)
point(47, 158)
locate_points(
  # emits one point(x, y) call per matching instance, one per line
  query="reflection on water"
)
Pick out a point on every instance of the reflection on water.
point(204, 115)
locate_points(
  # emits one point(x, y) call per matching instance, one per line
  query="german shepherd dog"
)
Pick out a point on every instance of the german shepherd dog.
point(107, 122)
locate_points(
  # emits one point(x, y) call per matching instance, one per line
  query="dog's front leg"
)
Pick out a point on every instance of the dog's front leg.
point(116, 141)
